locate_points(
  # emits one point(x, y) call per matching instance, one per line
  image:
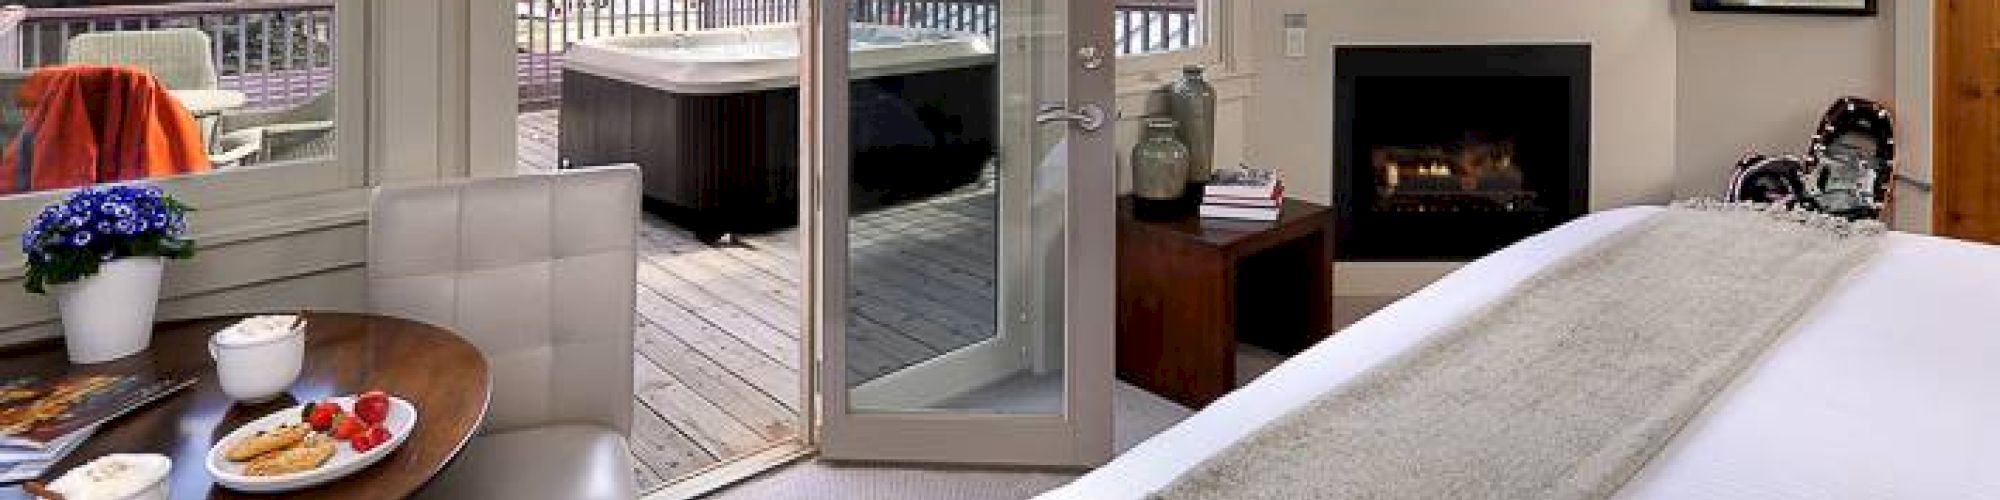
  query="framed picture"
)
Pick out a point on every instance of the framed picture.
point(1835, 7)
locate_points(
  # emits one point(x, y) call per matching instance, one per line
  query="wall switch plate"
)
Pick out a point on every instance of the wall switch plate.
point(1295, 35)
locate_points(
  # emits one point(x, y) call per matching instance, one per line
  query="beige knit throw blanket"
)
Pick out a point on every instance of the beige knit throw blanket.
point(1568, 385)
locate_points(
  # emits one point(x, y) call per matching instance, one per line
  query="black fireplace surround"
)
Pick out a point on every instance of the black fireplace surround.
point(1452, 152)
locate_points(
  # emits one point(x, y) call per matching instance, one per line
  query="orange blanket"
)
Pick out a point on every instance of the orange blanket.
point(96, 124)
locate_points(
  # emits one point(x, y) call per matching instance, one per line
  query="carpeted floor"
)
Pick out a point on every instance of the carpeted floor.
point(1137, 415)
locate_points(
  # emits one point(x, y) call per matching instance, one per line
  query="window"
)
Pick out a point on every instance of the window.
point(1157, 37)
point(1146, 27)
point(251, 87)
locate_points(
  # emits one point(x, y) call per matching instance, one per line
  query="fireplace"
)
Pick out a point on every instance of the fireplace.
point(1451, 152)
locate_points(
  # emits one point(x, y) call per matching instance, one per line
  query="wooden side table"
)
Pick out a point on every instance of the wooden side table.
point(1189, 289)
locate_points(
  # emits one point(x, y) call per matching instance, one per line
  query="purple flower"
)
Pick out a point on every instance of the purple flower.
point(102, 223)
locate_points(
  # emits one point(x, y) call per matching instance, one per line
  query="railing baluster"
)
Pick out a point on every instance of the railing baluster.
point(333, 51)
point(62, 47)
point(1125, 32)
point(263, 83)
point(536, 65)
point(1187, 31)
point(33, 49)
point(285, 78)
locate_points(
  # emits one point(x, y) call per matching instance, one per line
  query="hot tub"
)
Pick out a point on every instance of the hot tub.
point(712, 118)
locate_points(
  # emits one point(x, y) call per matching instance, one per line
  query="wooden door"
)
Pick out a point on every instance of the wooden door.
point(1968, 120)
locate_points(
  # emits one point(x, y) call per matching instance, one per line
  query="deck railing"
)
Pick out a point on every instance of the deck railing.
point(277, 52)
point(545, 29)
point(281, 52)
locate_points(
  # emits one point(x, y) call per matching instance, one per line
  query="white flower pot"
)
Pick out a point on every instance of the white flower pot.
point(109, 315)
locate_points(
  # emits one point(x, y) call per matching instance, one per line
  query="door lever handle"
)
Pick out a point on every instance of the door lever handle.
point(1089, 117)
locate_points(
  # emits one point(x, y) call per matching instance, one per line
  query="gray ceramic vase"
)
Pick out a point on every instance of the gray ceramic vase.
point(1159, 163)
point(1191, 101)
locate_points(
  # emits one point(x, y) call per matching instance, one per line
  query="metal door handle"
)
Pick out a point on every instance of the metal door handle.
point(1089, 117)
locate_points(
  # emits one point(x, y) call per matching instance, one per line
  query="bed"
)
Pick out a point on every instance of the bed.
point(1889, 387)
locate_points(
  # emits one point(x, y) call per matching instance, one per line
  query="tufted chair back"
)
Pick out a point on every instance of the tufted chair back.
point(537, 270)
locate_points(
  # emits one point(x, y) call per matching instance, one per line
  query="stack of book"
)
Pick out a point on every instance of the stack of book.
point(1243, 193)
point(43, 419)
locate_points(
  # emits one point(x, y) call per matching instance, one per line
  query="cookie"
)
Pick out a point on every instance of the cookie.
point(266, 441)
point(307, 455)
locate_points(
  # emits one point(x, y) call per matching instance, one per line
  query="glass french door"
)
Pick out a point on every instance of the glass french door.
point(961, 229)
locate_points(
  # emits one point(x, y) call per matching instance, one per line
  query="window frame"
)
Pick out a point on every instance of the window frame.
point(246, 203)
point(1219, 26)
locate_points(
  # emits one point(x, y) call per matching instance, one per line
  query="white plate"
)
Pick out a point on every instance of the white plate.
point(401, 420)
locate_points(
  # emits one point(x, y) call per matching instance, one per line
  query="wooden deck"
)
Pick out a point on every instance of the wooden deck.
point(718, 340)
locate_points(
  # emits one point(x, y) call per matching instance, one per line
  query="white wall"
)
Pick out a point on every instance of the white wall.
point(1678, 96)
point(1633, 43)
point(1232, 103)
point(1759, 83)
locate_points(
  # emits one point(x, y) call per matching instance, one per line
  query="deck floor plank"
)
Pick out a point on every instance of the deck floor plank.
point(719, 325)
point(763, 413)
point(701, 421)
point(771, 342)
point(662, 449)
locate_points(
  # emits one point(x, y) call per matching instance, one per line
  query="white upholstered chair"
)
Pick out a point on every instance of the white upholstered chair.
point(538, 271)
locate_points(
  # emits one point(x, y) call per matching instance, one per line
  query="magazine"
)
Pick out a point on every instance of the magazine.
point(36, 412)
point(23, 464)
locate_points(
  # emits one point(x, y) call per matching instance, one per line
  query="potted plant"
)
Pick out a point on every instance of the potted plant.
point(102, 251)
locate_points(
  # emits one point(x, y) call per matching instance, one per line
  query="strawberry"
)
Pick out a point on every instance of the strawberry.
point(372, 407)
point(370, 439)
point(346, 427)
point(378, 435)
point(362, 442)
point(321, 415)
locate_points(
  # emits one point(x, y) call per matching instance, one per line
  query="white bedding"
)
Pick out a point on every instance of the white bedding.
point(1889, 388)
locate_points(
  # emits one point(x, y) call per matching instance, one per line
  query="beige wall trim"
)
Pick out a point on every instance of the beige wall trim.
point(1915, 41)
point(219, 228)
point(492, 91)
point(226, 267)
point(277, 294)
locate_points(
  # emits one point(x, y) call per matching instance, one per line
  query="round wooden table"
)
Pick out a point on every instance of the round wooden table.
point(440, 373)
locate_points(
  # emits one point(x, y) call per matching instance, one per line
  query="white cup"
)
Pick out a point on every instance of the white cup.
point(141, 476)
point(258, 370)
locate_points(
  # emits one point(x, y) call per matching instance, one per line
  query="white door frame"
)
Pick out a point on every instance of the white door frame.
point(1081, 436)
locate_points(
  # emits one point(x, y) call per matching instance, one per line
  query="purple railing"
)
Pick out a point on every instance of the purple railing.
point(277, 52)
point(281, 52)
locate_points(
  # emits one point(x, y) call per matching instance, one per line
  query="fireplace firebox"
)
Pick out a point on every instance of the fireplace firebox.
point(1451, 152)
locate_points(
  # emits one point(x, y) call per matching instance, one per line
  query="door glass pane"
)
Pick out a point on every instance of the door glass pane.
point(954, 230)
point(702, 96)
